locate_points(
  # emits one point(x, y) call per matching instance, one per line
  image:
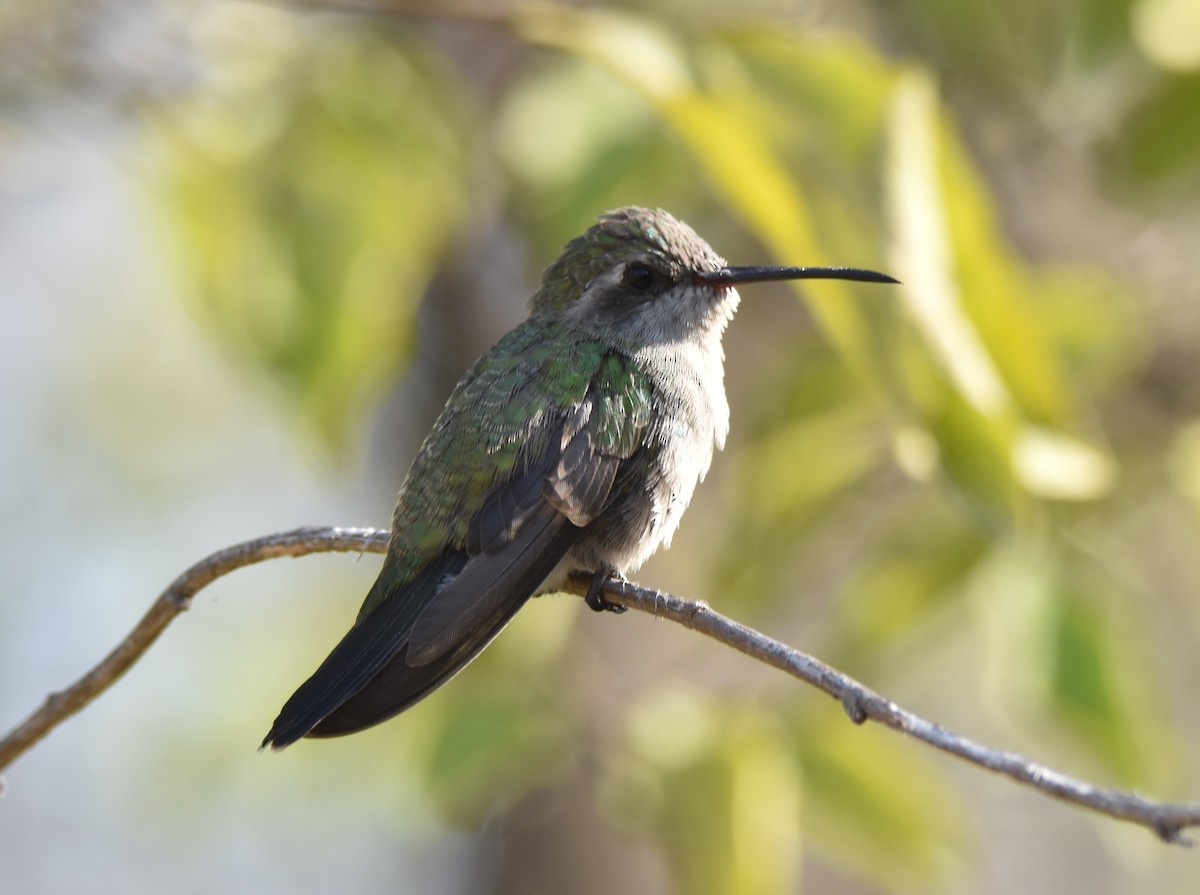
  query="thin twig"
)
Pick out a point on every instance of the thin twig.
point(864, 704)
point(486, 13)
point(177, 598)
point(861, 703)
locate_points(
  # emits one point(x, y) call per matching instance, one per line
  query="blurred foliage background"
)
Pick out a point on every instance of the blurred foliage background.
point(247, 248)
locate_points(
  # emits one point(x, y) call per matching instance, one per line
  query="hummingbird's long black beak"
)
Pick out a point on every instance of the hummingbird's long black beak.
point(730, 276)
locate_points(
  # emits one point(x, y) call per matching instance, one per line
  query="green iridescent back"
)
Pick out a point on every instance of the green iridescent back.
point(500, 416)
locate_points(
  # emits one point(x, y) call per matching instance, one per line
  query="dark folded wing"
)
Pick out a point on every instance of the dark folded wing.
point(516, 558)
point(422, 633)
point(361, 654)
point(542, 542)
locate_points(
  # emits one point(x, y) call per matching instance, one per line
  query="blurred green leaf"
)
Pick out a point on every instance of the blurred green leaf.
point(911, 575)
point(502, 728)
point(837, 88)
point(964, 285)
point(1105, 691)
point(488, 753)
point(1095, 325)
point(718, 785)
point(312, 192)
point(1157, 147)
point(805, 461)
point(975, 453)
point(1002, 51)
point(569, 160)
point(876, 806)
point(786, 482)
point(1064, 647)
point(553, 142)
point(1102, 29)
point(970, 299)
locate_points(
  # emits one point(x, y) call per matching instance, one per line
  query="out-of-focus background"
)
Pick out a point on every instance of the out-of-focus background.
point(247, 248)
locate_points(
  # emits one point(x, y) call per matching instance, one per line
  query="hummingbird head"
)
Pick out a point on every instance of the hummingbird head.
point(646, 277)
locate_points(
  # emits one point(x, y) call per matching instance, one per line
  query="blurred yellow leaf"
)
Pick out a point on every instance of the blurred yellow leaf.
point(1056, 466)
point(1168, 31)
point(723, 790)
point(997, 292)
point(923, 254)
point(741, 165)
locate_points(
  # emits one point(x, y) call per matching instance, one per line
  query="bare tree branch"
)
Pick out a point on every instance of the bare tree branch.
point(177, 598)
point(1168, 820)
point(862, 704)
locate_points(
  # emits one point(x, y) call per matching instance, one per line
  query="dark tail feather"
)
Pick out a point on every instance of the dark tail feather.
point(480, 602)
point(367, 678)
point(367, 647)
point(399, 685)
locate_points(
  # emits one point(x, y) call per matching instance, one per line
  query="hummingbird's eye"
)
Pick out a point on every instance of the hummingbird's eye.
point(639, 276)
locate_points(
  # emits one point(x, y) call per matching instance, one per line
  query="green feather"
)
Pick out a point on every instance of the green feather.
point(502, 414)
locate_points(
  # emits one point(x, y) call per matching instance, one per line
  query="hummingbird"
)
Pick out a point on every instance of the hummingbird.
point(574, 444)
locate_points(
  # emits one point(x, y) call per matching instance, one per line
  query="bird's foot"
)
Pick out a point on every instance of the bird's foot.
point(595, 595)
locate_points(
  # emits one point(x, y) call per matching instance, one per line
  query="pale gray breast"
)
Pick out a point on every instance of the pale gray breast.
point(690, 419)
point(695, 421)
